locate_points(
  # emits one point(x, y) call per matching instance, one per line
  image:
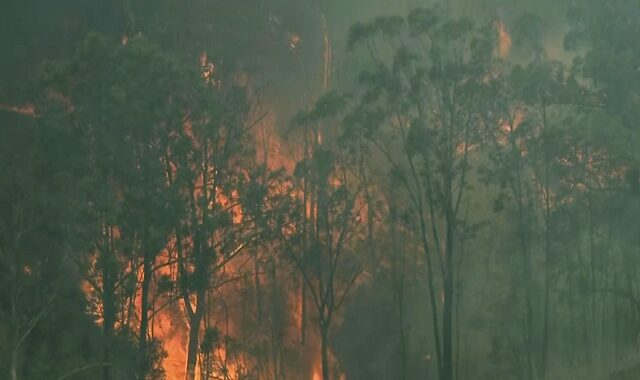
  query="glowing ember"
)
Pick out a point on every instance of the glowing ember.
point(294, 41)
point(317, 374)
point(27, 110)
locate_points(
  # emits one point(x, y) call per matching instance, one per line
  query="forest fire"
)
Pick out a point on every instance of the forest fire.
point(508, 126)
point(170, 328)
point(297, 190)
point(504, 39)
point(317, 373)
point(294, 40)
point(26, 110)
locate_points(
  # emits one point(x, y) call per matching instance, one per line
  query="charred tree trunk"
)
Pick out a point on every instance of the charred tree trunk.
point(258, 288)
point(201, 265)
point(195, 320)
point(108, 299)
point(192, 349)
point(194, 316)
point(144, 313)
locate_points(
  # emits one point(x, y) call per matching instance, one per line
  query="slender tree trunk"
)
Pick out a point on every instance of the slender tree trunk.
point(447, 315)
point(108, 340)
point(458, 330)
point(306, 228)
point(517, 189)
point(399, 274)
point(545, 329)
point(606, 305)
point(547, 293)
point(144, 313)
point(201, 265)
point(108, 300)
point(547, 250)
point(303, 312)
point(593, 263)
point(420, 209)
point(276, 323)
point(258, 288)
point(15, 346)
point(324, 334)
point(194, 337)
point(547, 281)
point(195, 318)
point(14, 361)
point(403, 338)
point(528, 317)
point(192, 349)
point(327, 54)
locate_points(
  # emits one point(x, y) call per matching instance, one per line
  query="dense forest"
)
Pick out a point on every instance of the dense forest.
point(319, 189)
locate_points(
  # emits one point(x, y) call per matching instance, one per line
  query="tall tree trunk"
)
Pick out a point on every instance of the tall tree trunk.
point(201, 265)
point(447, 314)
point(305, 201)
point(200, 280)
point(545, 328)
point(144, 313)
point(14, 360)
point(399, 274)
point(15, 346)
point(403, 338)
point(420, 209)
point(108, 330)
point(327, 54)
point(593, 267)
point(547, 249)
point(418, 202)
point(527, 327)
point(108, 300)
point(195, 321)
point(258, 288)
point(192, 349)
point(324, 334)
point(432, 292)
point(547, 282)
point(303, 312)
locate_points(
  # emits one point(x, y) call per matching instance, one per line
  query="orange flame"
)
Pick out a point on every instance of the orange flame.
point(27, 110)
point(504, 40)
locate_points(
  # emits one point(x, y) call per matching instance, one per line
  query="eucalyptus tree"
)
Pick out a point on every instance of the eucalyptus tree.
point(124, 100)
point(39, 240)
point(333, 253)
point(527, 139)
point(207, 162)
point(421, 107)
point(606, 57)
